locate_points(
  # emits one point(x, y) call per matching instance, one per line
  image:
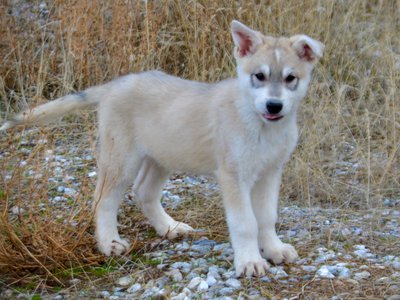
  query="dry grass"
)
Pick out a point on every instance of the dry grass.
point(349, 148)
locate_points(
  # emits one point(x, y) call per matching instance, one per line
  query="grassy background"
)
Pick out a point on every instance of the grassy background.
point(348, 155)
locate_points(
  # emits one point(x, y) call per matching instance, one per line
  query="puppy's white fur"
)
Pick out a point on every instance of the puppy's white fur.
point(151, 124)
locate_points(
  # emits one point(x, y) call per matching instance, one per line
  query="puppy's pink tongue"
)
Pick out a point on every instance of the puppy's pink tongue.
point(271, 117)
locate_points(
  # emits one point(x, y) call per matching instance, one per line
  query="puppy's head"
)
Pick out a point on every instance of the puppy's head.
point(274, 73)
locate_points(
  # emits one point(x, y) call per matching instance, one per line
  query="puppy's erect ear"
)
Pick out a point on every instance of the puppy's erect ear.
point(246, 40)
point(307, 48)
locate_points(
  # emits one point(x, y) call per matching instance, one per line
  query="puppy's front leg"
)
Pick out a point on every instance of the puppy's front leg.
point(242, 225)
point(265, 196)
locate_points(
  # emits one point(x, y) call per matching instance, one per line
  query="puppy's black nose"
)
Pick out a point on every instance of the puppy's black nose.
point(274, 106)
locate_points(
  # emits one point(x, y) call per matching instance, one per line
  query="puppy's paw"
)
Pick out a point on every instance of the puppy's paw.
point(256, 268)
point(280, 252)
point(177, 229)
point(115, 246)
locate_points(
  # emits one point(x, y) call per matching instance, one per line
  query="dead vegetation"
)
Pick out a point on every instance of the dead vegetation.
point(348, 155)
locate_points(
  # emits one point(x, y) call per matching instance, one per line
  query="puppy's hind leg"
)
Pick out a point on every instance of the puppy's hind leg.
point(147, 187)
point(117, 166)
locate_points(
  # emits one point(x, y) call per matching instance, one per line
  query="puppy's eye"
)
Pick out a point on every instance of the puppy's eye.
point(290, 78)
point(260, 76)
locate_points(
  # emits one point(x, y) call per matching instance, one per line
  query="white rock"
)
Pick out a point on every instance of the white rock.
point(125, 281)
point(309, 269)
point(396, 265)
point(360, 247)
point(15, 210)
point(343, 272)
point(364, 254)
point(278, 272)
point(183, 246)
point(105, 294)
point(361, 275)
point(69, 191)
point(185, 267)
point(184, 295)
point(194, 283)
point(211, 280)
point(203, 286)
point(175, 275)
point(229, 274)
point(324, 272)
point(233, 283)
point(92, 174)
point(134, 288)
point(220, 247)
point(346, 231)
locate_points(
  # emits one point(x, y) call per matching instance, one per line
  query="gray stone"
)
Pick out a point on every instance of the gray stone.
point(226, 291)
point(105, 294)
point(278, 272)
point(134, 288)
point(396, 265)
point(185, 267)
point(361, 275)
point(192, 275)
point(309, 269)
point(125, 281)
point(211, 280)
point(323, 272)
point(344, 272)
point(221, 247)
point(175, 275)
point(194, 283)
point(184, 246)
point(229, 274)
point(233, 283)
point(203, 286)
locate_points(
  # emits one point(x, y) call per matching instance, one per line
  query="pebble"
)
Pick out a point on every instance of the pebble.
point(344, 273)
point(309, 269)
point(194, 283)
point(361, 275)
point(396, 265)
point(278, 272)
point(229, 274)
point(105, 294)
point(324, 272)
point(203, 286)
point(211, 280)
point(134, 288)
point(233, 283)
point(184, 266)
point(125, 281)
point(175, 275)
point(15, 210)
point(226, 291)
point(92, 174)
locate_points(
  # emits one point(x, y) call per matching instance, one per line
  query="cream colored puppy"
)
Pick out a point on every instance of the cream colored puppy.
point(243, 130)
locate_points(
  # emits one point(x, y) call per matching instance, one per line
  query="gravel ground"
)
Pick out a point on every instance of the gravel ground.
point(344, 254)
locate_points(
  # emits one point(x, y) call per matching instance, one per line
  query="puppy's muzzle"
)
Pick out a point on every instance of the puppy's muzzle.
point(273, 109)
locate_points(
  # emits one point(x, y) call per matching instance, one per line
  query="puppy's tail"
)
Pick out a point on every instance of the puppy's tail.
point(52, 110)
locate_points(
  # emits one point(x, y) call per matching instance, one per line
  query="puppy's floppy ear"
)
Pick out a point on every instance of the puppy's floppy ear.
point(307, 48)
point(246, 40)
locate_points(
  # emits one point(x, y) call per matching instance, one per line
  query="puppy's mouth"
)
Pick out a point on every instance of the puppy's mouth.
point(272, 117)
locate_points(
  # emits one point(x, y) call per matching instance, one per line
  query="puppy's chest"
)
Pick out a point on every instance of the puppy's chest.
point(264, 152)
